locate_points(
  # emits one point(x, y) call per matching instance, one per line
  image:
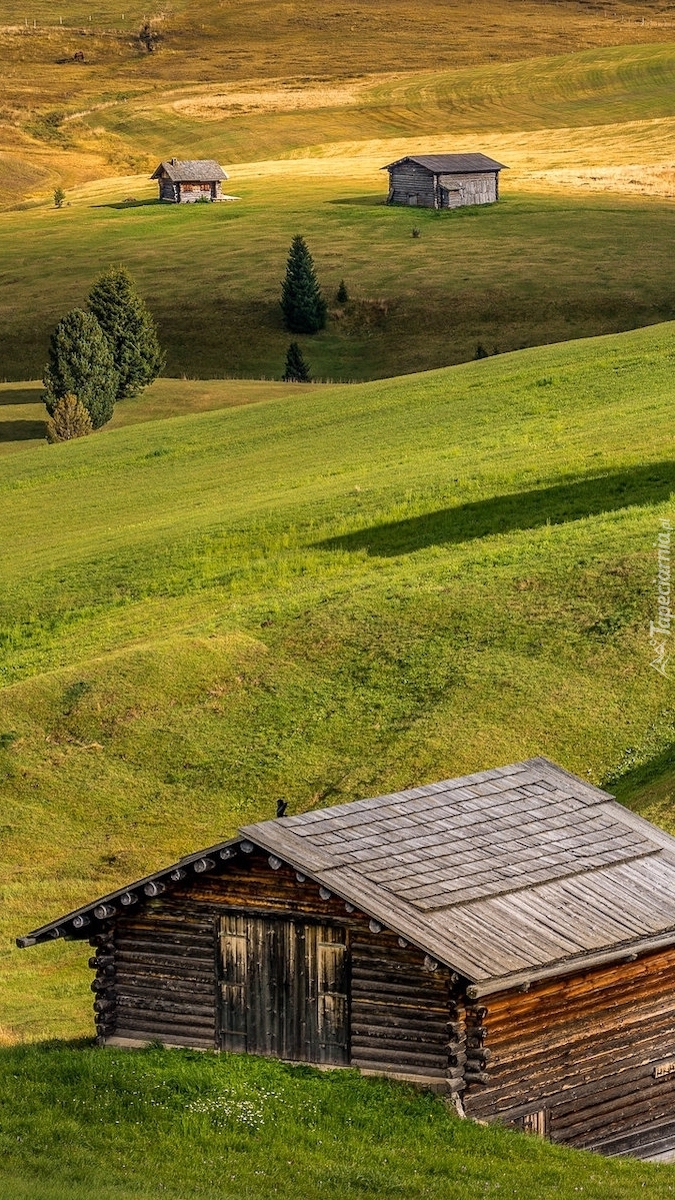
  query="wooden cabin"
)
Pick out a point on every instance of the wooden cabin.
point(444, 180)
point(507, 937)
point(185, 182)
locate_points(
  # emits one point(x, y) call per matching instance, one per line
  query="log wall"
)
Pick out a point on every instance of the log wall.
point(413, 184)
point(160, 967)
point(410, 180)
point(587, 1060)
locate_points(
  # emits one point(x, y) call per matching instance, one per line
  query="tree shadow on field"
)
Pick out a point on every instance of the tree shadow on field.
point(589, 497)
point(627, 787)
point(21, 431)
point(20, 395)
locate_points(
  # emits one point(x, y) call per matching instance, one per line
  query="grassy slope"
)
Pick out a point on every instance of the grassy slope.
point(23, 414)
point(536, 268)
point(533, 269)
point(175, 1124)
point(193, 623)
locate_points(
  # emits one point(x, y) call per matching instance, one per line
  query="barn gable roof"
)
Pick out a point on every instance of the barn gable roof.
point(450, 164)
point(195, 170)
point(506, 876)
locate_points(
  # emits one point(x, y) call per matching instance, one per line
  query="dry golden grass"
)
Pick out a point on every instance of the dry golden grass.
point(311, 49)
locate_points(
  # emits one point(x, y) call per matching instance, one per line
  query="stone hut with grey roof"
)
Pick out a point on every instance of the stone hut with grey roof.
point(186, 181)
point(444, 180)
point(507, 937)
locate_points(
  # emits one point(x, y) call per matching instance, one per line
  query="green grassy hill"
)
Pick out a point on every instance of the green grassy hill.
point(325, 594)
point(322, 593)
point(580, 243)
point(77, 1123)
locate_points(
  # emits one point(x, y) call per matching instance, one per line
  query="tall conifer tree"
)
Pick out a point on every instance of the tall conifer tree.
point(129, 328)
point(81, 364)
point(302, 304)
point(296, 370)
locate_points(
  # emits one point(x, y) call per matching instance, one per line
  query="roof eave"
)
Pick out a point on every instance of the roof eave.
point(62, 927)
point(522, 980)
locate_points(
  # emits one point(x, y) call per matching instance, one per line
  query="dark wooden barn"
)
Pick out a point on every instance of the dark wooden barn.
point(444, 180)
point(187, 182)
point(507, 937)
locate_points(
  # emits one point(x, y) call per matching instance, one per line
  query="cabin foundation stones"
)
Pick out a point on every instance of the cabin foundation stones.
point(443, 180)
point(507, 938)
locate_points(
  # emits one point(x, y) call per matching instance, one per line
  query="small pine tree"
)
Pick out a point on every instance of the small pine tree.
point(129, 328)
point(69, 420)
point(59, 197)
point(296, 370)
point(302, 304)
point(342, 295)
point(81, 362)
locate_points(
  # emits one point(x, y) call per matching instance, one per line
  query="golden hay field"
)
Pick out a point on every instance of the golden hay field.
point(217, 81)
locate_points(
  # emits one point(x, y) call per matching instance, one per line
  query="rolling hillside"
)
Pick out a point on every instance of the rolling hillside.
point(325, 594)
point(580, 244)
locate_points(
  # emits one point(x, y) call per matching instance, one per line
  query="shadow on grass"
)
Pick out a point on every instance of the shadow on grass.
point(152, 203)
point(13, 396)
point(627, 787)
point(21, 431)
point(649, 484)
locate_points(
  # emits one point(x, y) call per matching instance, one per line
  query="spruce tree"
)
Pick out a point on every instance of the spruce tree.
point(129, 328)
point(302, 304)
point(81, 363)
point(297, 370)
point(342, 295)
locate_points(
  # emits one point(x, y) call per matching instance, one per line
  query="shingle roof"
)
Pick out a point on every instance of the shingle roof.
point(195, 170)
point(507, 875)
point(451, 164)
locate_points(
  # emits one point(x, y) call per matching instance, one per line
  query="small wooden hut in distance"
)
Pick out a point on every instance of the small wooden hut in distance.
point(444, 180)
point(185, 182)
point(507, 937)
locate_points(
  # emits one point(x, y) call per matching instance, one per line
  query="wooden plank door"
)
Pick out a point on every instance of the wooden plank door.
point(284, 989)
point(333, 999)
point(234, 946)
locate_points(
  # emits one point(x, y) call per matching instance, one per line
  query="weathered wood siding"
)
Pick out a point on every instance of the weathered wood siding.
point(411, 184)
point(163, 977)
point(191, 192)
point(160, 974)
point(400, 1011)
point(584, 1059)
point(168, 190)
point(479, 188)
